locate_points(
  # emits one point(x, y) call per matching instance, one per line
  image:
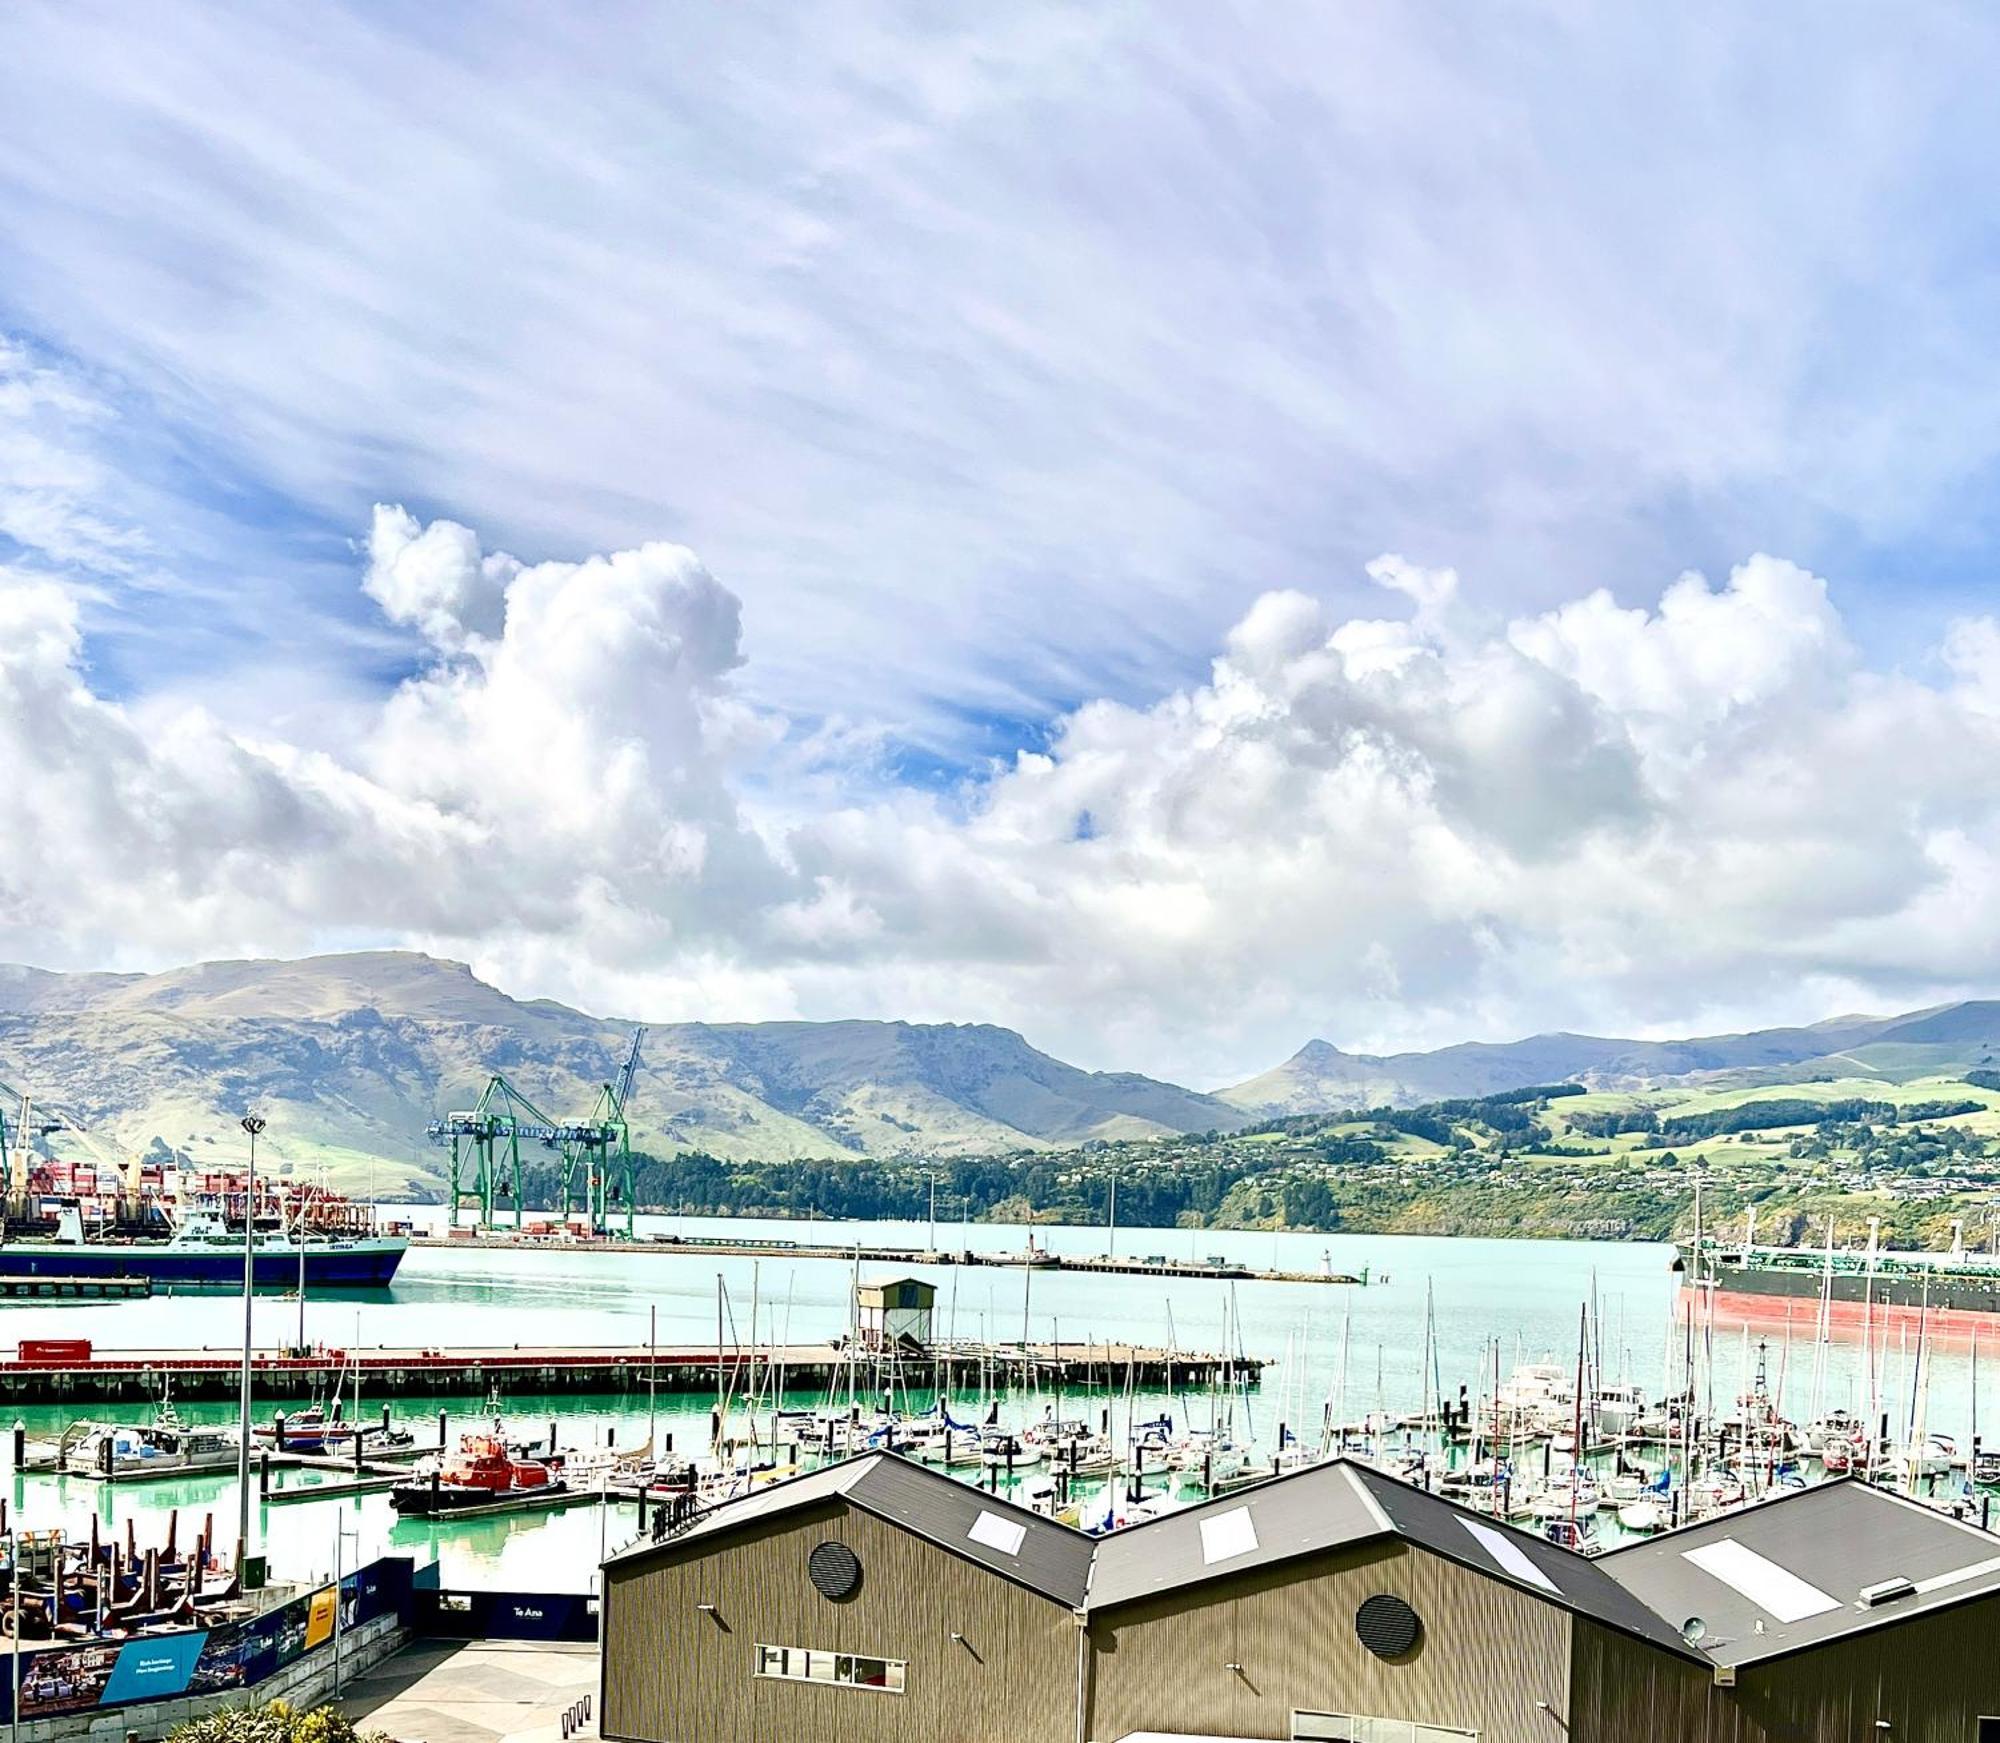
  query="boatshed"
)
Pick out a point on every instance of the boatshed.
point(894, 1313)
point(881, 1599)
point(871, 1599)
point(1839, 1611)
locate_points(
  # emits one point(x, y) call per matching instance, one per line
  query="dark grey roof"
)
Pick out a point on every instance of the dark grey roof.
point(1491, 1546)
point(1332, 1505)
point(1798, 1565)
point(1051, 1559)
point(1046, 1557)
point(1764, 1580)
point(1306, 1511)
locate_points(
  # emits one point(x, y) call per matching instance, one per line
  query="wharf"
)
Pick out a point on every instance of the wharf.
point(1214, 1270)
point(598, 1370)
point(54, 1291)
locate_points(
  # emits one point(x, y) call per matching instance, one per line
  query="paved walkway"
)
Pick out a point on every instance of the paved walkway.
point(477, 1691)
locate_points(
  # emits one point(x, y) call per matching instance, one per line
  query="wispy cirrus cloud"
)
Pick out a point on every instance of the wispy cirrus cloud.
point(997, 362)
point(1039, 393)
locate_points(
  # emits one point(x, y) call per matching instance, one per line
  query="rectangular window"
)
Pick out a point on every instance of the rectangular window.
point(842, 1669)
point(1360, 1728)
point(1989, 1730)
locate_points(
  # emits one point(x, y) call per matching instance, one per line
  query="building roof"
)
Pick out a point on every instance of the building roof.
point(1765, 1580)
point(1033, 1551)
point(1332, 1505)
point(1266, 1522)
point(1789, 1573)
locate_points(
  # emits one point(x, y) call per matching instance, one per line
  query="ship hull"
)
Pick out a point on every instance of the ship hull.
point(1948, 1306)
point(360, 1265)
point(421, 1501)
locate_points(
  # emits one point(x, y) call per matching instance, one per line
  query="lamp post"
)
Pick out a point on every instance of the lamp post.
point(253, 1124)
point(14, 1598)
point(299, 1235)
point(340, 1534)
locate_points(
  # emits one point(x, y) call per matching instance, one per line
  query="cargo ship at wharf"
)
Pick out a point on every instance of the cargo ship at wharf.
point(55, 1371)
point(1950, 1293)
point(99, 1219)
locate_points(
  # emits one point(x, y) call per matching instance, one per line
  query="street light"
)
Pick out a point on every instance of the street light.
point(340, 1535)
point(14, 1603)
point(253, 1124)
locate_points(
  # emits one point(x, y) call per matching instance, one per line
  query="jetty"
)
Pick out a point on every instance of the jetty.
point(54, 1291)
point(1214, 1269)
point(390, 1371)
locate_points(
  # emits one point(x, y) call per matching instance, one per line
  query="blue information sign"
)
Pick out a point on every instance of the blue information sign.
point(152, 1670)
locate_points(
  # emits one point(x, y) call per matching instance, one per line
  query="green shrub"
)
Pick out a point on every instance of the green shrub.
point(273, 1722)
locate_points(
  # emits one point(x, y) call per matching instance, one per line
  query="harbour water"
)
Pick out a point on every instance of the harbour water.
point(1362, 1348)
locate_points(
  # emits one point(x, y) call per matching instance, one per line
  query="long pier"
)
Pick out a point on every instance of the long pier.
point(53, 1291)
point(1214, 1270)
point(599, 1370)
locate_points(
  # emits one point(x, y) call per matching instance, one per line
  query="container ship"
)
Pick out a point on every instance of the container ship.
point(1847, 1287)
point(184, 1227)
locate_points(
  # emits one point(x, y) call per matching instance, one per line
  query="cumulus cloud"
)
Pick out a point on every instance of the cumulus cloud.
point(1399, 828)
point(436, 579)
point(560, 768)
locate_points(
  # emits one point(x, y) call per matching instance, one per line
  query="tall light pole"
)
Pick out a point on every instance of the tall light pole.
point(14, 1602)
point(253, 1124)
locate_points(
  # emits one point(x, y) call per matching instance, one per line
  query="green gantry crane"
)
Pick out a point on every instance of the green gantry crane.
point(598, 1148)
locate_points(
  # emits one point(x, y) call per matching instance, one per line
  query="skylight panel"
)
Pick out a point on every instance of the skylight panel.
point(1773, 1589)
point(1227, 1535)
point(1509, 1555)
point(1005, 1535)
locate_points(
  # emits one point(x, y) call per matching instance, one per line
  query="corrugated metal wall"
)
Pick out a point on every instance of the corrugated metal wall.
point(1931, 1678)
point(1489, 1652)
point(675, 1675)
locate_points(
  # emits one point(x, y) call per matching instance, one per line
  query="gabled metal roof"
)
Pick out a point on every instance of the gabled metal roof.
point(1339, 1503)
point(1765, 1580)
point(1319, 1508)
point(1788, 1574)
point(1490, 1546)
point(1048, 1558)
point(1038, 1553)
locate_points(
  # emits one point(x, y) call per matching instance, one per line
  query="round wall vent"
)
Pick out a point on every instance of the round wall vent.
point(834, 1570)
point(1387, 1626)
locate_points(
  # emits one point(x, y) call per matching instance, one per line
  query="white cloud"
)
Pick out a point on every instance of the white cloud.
point(436, 579)
point(1000, 354)
point(1381, 830)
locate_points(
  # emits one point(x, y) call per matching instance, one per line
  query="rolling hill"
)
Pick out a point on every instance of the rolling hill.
point(1319, 1078)
point(350, 1056)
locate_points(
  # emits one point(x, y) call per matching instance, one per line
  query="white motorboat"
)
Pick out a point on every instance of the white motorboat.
point(1643, 1517)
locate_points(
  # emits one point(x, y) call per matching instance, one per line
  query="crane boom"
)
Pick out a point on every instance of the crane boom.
point(623, 1093)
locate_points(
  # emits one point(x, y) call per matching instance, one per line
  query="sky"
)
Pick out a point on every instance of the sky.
point(1177, 530)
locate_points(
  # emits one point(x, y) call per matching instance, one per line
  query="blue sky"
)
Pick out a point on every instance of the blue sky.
point(996, 367)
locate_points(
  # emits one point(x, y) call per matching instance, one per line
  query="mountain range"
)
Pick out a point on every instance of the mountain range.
point(1319, 1078)
point(350, 1057)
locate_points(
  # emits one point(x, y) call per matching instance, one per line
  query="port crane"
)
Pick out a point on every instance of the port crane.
point(488, 1136)
point(603, 1144)
point(27, 1175)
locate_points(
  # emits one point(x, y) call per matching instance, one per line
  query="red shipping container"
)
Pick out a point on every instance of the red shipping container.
point(55, 1349)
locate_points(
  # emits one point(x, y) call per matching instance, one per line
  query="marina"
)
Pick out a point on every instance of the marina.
point(663, 1385)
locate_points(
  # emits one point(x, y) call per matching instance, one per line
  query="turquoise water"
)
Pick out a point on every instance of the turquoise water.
point(1525, 1294)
